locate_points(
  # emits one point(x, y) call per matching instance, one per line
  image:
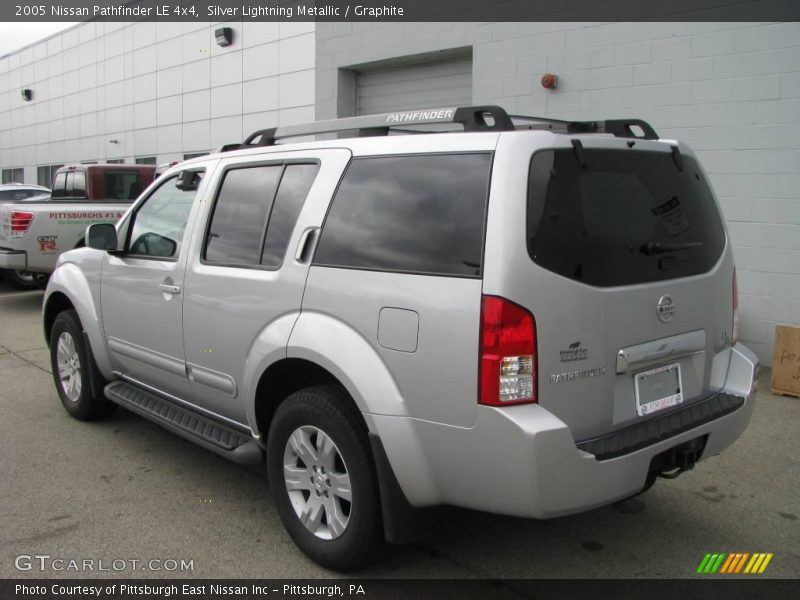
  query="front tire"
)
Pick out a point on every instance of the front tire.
point(71, 360)
point(323, 479)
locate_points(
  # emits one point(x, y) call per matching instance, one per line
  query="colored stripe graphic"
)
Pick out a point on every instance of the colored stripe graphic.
point(741, 562)
point(734, 563)
point(754, 563)
point(766, 562)
point(727, 564)
point(714, 563)
point(703, 563)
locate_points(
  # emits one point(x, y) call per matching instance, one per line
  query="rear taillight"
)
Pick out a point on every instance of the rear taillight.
point(508, 353)
point(20, 222)
point(735, 329)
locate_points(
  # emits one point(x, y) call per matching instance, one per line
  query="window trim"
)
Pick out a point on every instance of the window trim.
point(135, 212)
point(491, 153)
point(283, 163)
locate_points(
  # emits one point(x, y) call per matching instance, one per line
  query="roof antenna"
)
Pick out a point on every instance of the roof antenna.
point(579, 153)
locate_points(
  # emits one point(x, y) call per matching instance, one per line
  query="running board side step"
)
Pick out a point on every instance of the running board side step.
point(221, 439)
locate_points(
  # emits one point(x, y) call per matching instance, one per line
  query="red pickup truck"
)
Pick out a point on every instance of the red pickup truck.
point(35, 231)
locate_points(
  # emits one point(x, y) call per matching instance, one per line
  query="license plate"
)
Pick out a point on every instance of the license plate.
point(658, 389)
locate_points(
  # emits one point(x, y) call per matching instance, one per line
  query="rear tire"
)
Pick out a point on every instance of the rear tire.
point(71, 360)
point(21, 280)
point(323, 479)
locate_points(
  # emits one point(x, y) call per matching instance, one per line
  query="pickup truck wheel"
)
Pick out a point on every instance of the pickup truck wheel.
point(71, 360)
point(21, 280)
point(323, 479)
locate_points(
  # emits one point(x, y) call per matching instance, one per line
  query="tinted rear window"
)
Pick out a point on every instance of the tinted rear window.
point(415, 214)
point(241, 211)
point(626, 217)
point(123, 185)
point(20, 194)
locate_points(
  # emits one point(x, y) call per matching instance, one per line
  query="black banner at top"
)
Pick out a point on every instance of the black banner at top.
point(400, 10)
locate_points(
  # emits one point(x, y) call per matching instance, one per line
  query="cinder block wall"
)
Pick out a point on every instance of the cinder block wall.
point(730, 90)
point(159, 89)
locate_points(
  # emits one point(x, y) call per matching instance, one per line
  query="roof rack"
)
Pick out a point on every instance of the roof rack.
point(471, 118)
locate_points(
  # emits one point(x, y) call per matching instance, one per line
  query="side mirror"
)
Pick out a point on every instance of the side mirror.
point(188, 181)
point(102, 236)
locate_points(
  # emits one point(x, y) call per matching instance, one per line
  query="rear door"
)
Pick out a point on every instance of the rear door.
point(621, 264)
point(247, 269)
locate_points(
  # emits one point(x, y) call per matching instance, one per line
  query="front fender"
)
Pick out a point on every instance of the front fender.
point(70, 280)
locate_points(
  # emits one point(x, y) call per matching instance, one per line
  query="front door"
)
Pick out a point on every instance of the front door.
point(142, 287)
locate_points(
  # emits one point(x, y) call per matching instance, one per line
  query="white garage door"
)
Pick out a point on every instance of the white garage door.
point(426, 85)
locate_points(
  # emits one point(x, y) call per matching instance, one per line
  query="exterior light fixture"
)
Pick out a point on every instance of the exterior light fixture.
point(27, 95)
point(224, 36)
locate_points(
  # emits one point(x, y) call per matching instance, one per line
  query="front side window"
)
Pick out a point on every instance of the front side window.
point(414, 214)
point(159, 224)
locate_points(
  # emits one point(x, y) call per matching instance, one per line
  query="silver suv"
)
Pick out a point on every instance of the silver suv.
point(526, 316)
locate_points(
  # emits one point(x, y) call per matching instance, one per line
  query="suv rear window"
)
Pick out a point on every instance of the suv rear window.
point(414, 214)
point(625, 217)
point(123, 185)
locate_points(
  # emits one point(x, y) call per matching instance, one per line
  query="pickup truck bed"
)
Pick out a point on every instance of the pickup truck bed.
point(34, 232)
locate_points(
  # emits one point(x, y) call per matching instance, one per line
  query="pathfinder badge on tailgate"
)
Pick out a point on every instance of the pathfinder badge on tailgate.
point(575, 352)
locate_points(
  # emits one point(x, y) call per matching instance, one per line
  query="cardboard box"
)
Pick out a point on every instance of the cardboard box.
point(786, 361)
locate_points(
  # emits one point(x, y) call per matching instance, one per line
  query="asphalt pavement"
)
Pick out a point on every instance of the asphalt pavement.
point(124, 489)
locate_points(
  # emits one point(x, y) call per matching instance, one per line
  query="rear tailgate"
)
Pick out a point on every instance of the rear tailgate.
point(622, 262)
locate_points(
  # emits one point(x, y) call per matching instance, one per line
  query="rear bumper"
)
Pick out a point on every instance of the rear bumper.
point(523, 461)
point(13, 259)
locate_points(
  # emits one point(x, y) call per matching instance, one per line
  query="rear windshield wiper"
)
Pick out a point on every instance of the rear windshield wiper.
point(661, 247)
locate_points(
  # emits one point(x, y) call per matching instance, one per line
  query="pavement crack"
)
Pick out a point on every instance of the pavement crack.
point(7, 350)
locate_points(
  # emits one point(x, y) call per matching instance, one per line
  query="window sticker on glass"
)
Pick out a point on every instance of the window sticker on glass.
point(672, 216)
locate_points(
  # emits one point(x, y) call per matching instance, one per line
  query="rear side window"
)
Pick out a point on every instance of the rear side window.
point(625, 217)
point(255, 214)
point(79, 184)
point(237, 225)
point(122, 185)
point(413, 214)
point(295, 184)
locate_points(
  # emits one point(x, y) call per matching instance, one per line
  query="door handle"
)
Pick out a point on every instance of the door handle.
point(306, 244)
point(169, 288)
